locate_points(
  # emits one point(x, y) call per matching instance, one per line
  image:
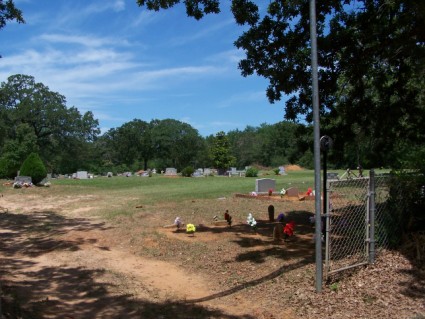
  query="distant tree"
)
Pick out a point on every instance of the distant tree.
point(221, 153)
point(175, 144)
point(16, 150)
point(33, 166)
point(61, 132)
point(245, 146)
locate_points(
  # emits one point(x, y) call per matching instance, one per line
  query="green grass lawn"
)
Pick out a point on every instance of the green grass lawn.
point(165, 189)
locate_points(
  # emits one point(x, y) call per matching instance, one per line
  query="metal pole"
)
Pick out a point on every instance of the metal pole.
point(372, 209)
point(315, 98)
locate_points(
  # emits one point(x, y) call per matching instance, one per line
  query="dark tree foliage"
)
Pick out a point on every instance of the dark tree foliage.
point(60, 132)
point(33, 166)
point(8, 12)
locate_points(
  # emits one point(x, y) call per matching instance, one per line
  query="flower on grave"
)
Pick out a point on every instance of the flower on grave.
point(282, 192)
point(228, 218)
point(281, 218)
point(178, 222)
point(190, 228)
point(270, 191)
point(288, 230)
point(251, 221)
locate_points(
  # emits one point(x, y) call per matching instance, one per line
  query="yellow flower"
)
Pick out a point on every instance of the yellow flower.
point(190, 228)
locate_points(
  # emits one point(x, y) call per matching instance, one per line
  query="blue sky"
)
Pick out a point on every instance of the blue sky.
point(123, 62)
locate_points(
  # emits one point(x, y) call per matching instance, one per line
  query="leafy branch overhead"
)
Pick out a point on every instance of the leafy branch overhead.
point(371, 64)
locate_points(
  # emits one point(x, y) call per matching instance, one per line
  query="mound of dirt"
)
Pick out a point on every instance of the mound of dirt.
point(293, 168)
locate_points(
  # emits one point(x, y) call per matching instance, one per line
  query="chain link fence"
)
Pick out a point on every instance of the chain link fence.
point(358, 221)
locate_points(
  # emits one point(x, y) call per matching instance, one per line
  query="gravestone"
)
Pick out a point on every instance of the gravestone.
point(282, 170)
point(171, 171)
point(263, 185)
point(109, 174)
point(292, 192)
point(197, 174)
point(81, 175)
point(23, 179)
point(207, 172)
point(271, 213)
point(331, 176)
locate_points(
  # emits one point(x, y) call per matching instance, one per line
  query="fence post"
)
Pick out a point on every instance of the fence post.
point(372, 210)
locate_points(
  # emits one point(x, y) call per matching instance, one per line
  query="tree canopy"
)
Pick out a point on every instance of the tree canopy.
point(371, 66)
point(8, 12)
point(31, 114)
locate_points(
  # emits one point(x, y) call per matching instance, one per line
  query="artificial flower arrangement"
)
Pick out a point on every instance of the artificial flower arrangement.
point(281, 218)
point(282, 192)
point(178, 222)
point(228, 218)
point(190, 229)
point(251, 221)
point(270, 191)
point(288, 230)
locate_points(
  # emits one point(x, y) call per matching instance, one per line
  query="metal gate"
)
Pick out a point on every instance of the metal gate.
point(347, 224)
point(357, 221)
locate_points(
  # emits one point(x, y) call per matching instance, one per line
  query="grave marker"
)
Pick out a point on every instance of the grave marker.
point(263, 185)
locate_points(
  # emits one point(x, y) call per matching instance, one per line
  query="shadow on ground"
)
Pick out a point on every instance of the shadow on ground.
point(78, 292)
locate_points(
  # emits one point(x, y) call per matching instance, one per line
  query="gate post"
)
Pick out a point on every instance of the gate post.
point(372, 210)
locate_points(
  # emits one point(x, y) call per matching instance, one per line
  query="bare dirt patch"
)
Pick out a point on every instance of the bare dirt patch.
point(59, 262)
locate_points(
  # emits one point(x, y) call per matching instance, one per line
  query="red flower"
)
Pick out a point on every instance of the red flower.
point(288, 230)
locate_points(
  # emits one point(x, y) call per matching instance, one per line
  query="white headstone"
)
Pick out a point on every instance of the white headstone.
point(170, 171)
point(82, 175)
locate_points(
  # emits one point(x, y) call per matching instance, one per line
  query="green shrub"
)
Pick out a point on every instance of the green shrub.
point(251, 172)
point(33, 166)
point(188, 171)
point(276, 171)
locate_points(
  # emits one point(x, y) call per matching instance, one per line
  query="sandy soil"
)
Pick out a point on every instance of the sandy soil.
point(58, 262)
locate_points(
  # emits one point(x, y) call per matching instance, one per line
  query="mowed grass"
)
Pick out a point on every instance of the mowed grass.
point(158, 189)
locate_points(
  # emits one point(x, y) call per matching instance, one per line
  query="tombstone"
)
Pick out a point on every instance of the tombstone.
point(332, 176)
point(282, 170)
point(81, 175)
point(207, 172)
point(23, 179)
point(154, 171)
point(278, 232)
point(109, 174)
point(197, 174)
point(171, 171)
point(271, 213)
point(74, 175)
point(292, 192)
point(263, 185)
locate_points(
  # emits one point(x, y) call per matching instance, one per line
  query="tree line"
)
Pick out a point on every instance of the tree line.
point(35, 119)
point(371, 88)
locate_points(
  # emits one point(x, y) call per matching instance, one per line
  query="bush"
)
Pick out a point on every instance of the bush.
point(276, 171)
point(33, 166)
point(251, 172)
point(188, 171)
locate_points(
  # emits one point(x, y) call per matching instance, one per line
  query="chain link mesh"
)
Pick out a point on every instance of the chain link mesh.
point(347, 240)
point(348, 224)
